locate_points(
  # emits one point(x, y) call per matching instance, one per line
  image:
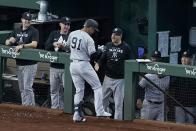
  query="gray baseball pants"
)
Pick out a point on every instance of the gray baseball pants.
point(152, 111)
point(184, 117)
point(56, 88)
point(26, 75)
point(115, 87)
point(82, 71)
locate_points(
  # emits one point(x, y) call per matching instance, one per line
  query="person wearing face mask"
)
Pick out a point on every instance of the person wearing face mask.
point(57, 41)
point(25, 36)
point(112, 59)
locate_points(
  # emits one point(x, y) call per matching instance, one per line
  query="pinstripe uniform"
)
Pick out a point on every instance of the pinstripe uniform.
point(153, 104)
point(82, 46)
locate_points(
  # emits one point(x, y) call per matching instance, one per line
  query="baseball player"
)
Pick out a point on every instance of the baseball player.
point(113, 57)
point(82, 50)
point(153, 103)
point(57, 42)
point(25, 37)
point(184, 90)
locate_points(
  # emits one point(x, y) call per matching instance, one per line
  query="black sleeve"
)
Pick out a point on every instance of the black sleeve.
point(12, 34)
point(49, 43)
point(95, 56)
point(35, 36)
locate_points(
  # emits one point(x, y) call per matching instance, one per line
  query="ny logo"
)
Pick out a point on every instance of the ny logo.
point(114, 55)
point(21, 40)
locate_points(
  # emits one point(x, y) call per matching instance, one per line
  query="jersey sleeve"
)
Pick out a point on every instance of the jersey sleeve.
point(103, 56)
point(144, 83)
point(12, 34)
point(49, 42)
point(91, 46)
point(35, 36)
point(167, 81)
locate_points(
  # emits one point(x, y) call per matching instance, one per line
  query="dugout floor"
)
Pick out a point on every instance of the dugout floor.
point(20, 118)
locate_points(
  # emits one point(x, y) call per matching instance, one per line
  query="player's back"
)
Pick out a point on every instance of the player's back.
point(81, 45)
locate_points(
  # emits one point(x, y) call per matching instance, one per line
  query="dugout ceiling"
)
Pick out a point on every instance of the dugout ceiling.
point(177, 16)
point(174, 15)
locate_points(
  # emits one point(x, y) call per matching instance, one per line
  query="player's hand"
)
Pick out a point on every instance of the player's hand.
point(139, 103)
point(96, 66)
point(55, 44)
point(17, 49)
point(12, 40)
point(61, 45)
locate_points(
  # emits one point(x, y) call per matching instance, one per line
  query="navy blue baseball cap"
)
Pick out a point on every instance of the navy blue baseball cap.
point(187, 54)
point(91, 23)
point(26, 16)
point(117, 31)
point(156, 54)
point(65, 20)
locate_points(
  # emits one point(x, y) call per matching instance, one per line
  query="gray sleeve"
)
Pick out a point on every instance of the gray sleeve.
point(167, 82)
point(91, 46)
point(143, 83)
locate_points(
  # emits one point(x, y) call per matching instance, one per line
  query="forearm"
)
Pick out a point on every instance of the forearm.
point(30, 45)
point(8, 43)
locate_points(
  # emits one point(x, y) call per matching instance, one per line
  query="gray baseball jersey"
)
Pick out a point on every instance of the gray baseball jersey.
point(151, 93)
point(153, 104)
point(81, 46)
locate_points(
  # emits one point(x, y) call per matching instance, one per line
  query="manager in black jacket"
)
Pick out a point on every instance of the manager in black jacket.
point(114, 55)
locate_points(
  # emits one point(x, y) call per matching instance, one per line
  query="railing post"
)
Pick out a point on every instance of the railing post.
point(130, 85)
point(68, 89)
point(1, 79)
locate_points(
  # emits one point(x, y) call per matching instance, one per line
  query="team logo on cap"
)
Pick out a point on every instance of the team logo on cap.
point(185, 53)
point(115, 29)
point(156, 52)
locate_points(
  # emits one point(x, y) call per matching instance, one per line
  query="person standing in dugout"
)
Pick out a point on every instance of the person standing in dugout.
point(57, 42)
point(184, 91)
point(25, 36)
point(82, 50)
point(112, 59)
point(153, 103)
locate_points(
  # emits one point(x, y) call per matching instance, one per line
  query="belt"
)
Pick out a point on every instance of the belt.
point(155, 102)
point(77, 60)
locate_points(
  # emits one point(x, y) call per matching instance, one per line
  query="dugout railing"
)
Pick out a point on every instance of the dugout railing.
point(40, 56)
point(134, 68)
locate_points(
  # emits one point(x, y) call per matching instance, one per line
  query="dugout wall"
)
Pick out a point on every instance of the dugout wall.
point(132, 68)
point(42, 56)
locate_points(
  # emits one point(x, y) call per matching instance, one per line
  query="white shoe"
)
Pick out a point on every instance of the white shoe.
point(78, 118)
point(104, 114)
